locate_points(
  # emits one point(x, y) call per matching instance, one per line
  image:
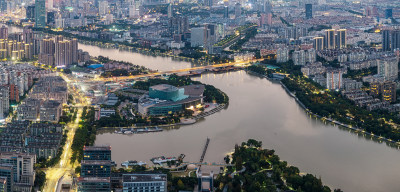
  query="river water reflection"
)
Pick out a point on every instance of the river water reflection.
point(261, 110)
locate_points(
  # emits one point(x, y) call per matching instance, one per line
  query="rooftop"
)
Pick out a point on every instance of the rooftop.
point(164, 87)
point(94, 179)
point(95, 162)
point(194, 90)
point(97, 148)
point(143, 177)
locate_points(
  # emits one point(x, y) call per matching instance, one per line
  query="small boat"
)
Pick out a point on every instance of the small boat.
point(133, 163)
point(127, 132)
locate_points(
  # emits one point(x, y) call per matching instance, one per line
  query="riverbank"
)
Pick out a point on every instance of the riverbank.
point(308, 111)
point(333, 107)
point(189, 121)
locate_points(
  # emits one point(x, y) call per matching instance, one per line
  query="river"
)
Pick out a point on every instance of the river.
point(262, 110)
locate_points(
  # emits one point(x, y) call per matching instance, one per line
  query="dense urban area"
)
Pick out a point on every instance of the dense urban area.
point(74, 70)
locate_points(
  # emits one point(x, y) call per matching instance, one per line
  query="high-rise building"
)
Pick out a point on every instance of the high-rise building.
point(6, 171)
point(311, 56)
point(97, 153)
point(330, 42)
point(51, 17)
point(318, 43)
point(47, 46)
point(23, 174)
point(309, 11)
point(211, 33)
point(238, 10)
point(95, 169)
point(386, 40)
point(134, 12)
point(388, 91)
point(3, 184)
point(28, 35)
point(226, 12)
point(49, 4)
point(375, 89)
point(334, 79)
point(30, 12)
point(40, 13)
point(208, 3)
point(282, 55)
point(3, 6)
point(4, 100)
point(388, 68)
point(170, 10)
point(90, 184)
point(299, 57)
point(395, 40)
point(388, 13)
point(267, 6)
point(103, 8)
point(178, 24)
point(198, 37)
point(341, 42)
point(4, 32)
point(66, 52)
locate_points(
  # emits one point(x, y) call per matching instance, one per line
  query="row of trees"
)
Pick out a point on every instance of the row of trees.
point(335, 106)
point(249, 34)
point(84, 135)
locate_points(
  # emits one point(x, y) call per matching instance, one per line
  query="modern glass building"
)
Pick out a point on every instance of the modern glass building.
point(166, 99)
point(6, 171)
point(91, 184)
point(309, 12)
point(94, 168)
point(40, 13)
point(167, 92)
point(97, 153)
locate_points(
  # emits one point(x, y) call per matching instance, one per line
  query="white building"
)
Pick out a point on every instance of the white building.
point(334, 80)
point(388, 67)
point(282, 55)
point(103, 8)
point(299, 57)
point(198, 37)
point(311, 56)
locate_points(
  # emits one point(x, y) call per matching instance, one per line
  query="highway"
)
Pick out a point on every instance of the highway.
point(176, 71)
point(65, 168)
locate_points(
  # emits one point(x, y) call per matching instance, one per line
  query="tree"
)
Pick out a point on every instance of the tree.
point(181, 186)
point(78, 170)
point(239, 163)
point(40, 179)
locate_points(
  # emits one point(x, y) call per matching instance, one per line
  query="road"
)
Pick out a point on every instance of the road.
point(176, 71)
point(65, 168)
point(53, 174)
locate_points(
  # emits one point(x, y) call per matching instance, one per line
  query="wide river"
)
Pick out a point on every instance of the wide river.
point(262, 110)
